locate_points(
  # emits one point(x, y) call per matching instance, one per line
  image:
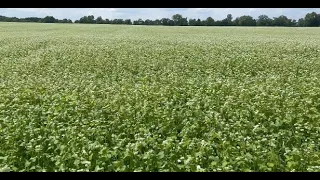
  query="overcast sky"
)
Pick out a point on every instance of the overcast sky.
point(154, 13)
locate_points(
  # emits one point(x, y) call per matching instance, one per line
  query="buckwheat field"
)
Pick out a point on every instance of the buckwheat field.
point(76, 97)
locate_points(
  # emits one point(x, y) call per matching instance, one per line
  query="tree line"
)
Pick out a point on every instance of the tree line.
point(47, 19)
point(310, 20)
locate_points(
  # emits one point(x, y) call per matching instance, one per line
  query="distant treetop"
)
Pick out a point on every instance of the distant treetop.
point(310, 20)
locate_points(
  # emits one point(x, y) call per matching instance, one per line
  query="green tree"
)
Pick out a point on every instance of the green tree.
point(293, 22)
point(229, 20)
point(281, 21)
point(147, 22)
point(84, 19)
point(264, 20)
point(177, 19)
point(91, 19)
point(127, 21)
point(138, 22)
point(184, 22)
point(312, 19)
point(157, 22)
point(48, 19)
point(236, 22)
point(118, 21)
point(171, 22)
point(64, 20)
point(192, 22)
point(99, 20)
point(209, 21)
point(165, 21)
point(246, 21)
point(198, 22)
point(301, 22)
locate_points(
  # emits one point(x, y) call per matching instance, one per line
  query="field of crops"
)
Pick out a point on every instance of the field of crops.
point(145, 98)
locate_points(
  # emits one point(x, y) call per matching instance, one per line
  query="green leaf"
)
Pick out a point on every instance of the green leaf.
point(27, 164)
point(76, 162)
point(270, 164)
point(161, 155)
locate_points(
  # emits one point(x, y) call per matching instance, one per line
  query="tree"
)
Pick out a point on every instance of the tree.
point(91, 19)
point(301, 22)
point(218, 23)
point(312, 19)
point(264, 20)
point(127, 21)
point(165, 21)
point(15, 19)
point(177, 19)
point(84, 19)
point(87, 19)
point(48, 19)
point(198, 22)
point(99, 20)
point(281, 21)
point(192, 22)
point(147, 22)
point(224, 22)
point(246, 21)
point(184, 22)
point(229, 20)
point(236, 22)
point(117, 21)
point(157, 22)
point(64, 20)
point(138, 22)
point(293, 22)
point(34, 19)
point(171, 22)
point(209, 21)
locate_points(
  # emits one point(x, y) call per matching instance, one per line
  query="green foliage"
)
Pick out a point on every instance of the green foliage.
point(76, 97)
point(310, 20)
point(48, 19)
point(264, 20)
point(246, 21)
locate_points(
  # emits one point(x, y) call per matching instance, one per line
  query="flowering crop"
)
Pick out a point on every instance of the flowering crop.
point(77, 97)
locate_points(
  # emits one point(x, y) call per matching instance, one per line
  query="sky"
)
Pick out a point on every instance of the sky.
point(154, 13)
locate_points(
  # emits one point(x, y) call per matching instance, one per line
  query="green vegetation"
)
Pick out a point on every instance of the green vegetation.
point(310, 20)
point(77, 97)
